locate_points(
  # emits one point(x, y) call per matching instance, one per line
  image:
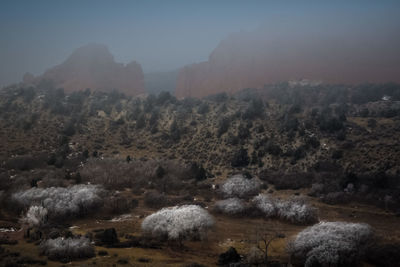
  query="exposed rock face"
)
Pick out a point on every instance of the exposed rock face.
point(253, 59)
point(92, 66)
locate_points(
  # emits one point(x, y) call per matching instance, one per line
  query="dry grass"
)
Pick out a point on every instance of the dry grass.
point(236, 232)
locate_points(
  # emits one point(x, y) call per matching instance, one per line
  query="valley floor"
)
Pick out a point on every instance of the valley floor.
point(238, 232)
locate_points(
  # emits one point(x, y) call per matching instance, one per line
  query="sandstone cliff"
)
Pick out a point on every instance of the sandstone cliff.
point(253, 59)
point(92, 66)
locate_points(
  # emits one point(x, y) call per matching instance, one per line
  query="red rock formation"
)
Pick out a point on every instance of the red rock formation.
point(253, 59)
point(92, 66)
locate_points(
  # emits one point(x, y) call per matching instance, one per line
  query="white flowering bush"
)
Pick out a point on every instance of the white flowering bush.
point(330, 244)
point(178, 223)
point(67, 249)
point(60, 201)
point(36, 216)
point(230, 206)
point(295, 210)
point(239, 186)
point(265, 204)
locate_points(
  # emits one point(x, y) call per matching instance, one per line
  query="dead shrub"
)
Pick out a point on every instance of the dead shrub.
point(288, 180)
point(119, 174)
point(155, 199)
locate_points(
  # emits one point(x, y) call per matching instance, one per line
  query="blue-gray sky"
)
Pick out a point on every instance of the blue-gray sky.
point(160, 35)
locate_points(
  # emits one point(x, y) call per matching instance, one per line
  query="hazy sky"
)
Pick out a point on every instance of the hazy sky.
point(160, 35)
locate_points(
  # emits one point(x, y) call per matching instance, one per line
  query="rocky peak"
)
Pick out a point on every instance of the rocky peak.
point(93, 66)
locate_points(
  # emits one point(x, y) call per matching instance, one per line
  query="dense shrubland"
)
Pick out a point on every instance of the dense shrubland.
point(165, 175)
point(118, 203)
point(277, 114)
point(155, 199)
point(330, 244)
point(178, 223)
point(283, 180)
point(62, 202)
point(332, 184)
point(319, 136)
point(67, 249)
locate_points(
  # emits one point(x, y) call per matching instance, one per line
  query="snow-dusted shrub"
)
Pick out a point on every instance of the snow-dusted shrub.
point(239, 186)
point(60, 201)
point(67, 249)
point(297, 210)
point(265, 204)
point(178, 223)
point(330, 244)
point(230, 206)
point(35, 216)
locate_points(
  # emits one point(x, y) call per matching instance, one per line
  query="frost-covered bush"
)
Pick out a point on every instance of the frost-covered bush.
point(330, 244)
point(178, 223)
point(265, 204)
point(297, 210)
point(35, 216)
point(67, 249)
point(60, 201)
point(239, 186)
point(230, 206)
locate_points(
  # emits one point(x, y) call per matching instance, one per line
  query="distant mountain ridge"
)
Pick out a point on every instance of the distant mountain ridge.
point(253, 59)
point(93, 66)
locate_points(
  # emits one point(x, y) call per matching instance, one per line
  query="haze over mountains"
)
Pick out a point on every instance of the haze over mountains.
point(242, 60)
point(253, 59)
point(245, 59)
point(333, 41)
point(92, 66)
